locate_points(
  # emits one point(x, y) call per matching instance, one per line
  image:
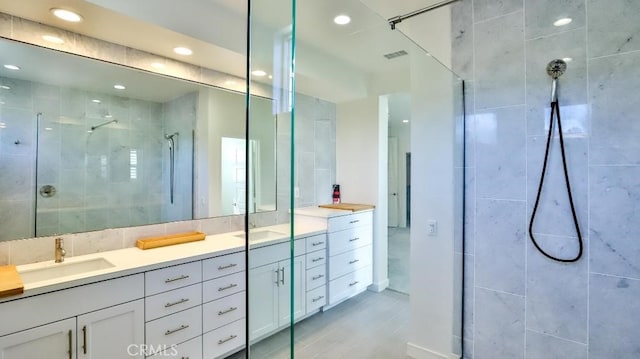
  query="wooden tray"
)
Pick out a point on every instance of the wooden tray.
point(169, 240)
point(354, 207)
point(10, 281)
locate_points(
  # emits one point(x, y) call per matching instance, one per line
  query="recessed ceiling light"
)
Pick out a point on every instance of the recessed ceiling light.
point(563, 21)
point(158, 65)
point(108, 116)
point(66, 15)
point(405, 121)
point(182, 51)
point(258, 73)
point(119, 87)
point(12, 67)
point(567, 59)
point(96, 101)
point(53, 39)
point(342, 19)
point(5, 87)
point(48, 128)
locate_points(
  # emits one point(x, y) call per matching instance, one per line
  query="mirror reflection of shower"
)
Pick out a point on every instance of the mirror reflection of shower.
point(93, 128)
point(172, 165)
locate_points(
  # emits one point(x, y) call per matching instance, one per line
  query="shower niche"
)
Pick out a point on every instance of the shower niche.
point(79, 154)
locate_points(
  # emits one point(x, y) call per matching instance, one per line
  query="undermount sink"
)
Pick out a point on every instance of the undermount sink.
point(56, 270)
point(263, 234)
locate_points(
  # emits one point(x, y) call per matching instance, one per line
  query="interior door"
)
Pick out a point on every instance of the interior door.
point(392, 181)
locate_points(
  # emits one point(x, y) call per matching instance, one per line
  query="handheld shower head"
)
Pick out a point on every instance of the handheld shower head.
point(556, 68)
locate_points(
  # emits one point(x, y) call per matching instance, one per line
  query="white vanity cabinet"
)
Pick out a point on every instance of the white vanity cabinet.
point(98, 323)
point(270, 282)
point(53, 341)
point(349, 252)
point(196, 310)
point(110, 332)
point(316, 272)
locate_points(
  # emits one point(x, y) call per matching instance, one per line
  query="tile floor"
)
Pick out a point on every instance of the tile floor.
point(368, 326)
point(399, 267)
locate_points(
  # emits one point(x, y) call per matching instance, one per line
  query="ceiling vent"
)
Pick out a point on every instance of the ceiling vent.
point(393, 55)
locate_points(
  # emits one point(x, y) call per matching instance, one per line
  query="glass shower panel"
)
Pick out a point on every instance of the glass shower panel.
point(276, 270)
point(358, 84)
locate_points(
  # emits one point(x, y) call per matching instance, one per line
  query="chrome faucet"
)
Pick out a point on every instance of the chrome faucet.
point(60, 252)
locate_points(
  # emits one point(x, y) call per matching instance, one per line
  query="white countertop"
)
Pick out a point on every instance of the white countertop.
point(324, 212)
point(134, 260)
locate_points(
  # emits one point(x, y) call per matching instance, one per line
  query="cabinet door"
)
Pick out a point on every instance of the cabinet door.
point(52, 341)
point(299, 290)
point(263, 299)
point(115, 332)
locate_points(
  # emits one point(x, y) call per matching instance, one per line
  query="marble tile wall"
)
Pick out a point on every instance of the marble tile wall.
point(519, 304)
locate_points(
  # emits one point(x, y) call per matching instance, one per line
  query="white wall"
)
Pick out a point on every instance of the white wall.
point(432, 259)
point(361, 157)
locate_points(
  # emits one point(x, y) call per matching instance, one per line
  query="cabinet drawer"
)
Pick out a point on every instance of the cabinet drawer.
point(223, 311)
point(317, 258)
point(316, 277)
point(349, 239)
point(162, 280)
point(191, 349)
point(223, 340)
point(362, 219)
point(223, 265)
point(316, 242)
point(316, 298)
point(349, 261)
point(173, 301)
point(349, 285)
point(222, 287)
point(175, 328)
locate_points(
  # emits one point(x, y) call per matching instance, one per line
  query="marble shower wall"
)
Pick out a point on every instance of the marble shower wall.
point(519, 304)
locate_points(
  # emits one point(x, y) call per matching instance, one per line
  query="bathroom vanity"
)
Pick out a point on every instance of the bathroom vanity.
point(189, 300)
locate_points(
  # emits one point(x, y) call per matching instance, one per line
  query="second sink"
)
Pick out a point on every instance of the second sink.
point(263, 234)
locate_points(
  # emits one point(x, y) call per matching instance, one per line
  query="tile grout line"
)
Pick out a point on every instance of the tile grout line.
point(500, 291)
point(498, 16)
point(588, 251)
point(526, 176)
point(555, 336)
point(475, 182)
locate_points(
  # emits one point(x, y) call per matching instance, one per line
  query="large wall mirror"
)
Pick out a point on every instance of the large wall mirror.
point(77, 153)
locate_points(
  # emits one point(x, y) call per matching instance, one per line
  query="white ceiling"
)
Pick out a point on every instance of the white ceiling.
point(333, 62)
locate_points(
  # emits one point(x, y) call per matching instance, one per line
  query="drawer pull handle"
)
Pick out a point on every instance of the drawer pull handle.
point(231, 309)
point(84, 339)
point(232, 285)
point(70, 344)
point(231, 337)
point(227, 266)
point(316, 243)
point(354, 239)
point(317, 259)
point(317, 299)
point(353, 283)
point(354, 261)
point(316, 277)
point(182, 327)
point(354, 221)
point(183, 300)
point(169, 280)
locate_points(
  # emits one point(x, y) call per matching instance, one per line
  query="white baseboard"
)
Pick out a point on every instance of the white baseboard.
point(380, 286)
point(418, 352)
